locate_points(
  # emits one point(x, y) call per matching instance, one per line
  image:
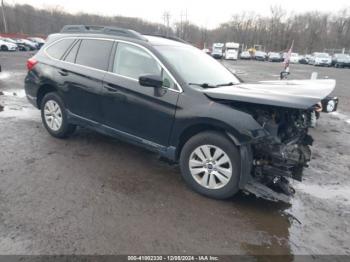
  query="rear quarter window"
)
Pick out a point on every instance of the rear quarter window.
point(58, 49)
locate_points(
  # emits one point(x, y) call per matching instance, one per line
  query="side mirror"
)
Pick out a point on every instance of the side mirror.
point(151, 80)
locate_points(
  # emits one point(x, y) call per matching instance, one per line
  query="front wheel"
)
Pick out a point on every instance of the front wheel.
point(54, 116)
point(210, 164)
point(4, 48)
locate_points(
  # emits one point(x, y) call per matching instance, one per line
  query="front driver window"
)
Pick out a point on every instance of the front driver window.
point(132, 61)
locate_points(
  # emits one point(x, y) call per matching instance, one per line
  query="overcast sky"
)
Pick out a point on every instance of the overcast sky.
point(202, 12)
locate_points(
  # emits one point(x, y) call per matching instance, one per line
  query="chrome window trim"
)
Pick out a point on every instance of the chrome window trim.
point(179, 90)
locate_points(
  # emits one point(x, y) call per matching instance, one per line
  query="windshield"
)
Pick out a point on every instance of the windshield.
point(322, 55)
point(195, 66)
point(341, 56)
point(259, 53)
point(9, 40)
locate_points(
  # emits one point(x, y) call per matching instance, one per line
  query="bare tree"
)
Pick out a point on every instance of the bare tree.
point(310, 31)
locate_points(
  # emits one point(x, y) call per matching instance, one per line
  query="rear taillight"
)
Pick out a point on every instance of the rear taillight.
point(31, 62)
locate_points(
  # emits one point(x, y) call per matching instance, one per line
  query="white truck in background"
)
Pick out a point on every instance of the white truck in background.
point(217, 51)
point(231, 50)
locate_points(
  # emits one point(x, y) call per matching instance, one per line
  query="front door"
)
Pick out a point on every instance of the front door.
point(143, 112)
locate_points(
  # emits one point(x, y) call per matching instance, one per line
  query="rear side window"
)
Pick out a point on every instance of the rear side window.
point(59, 48)
point(94, 53)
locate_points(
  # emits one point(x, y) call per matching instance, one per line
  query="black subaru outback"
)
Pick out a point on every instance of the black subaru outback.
point(170, 97)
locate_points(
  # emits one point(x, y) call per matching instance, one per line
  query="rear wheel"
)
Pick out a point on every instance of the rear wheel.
point(54, 116)
point(210, 164)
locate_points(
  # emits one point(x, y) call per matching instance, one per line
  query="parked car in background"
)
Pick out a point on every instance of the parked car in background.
point(341, 60)
point(275, 57)
point(308, 58)
point(260, 56)
point(9, 40)
point(294, 58)
point(21, 46)
point(321, 59)
point(7, 45)
point(231, 50)
point(245, 55)
point(29, 44)
point(39, 41)
point(217, 51)
point(303, 60)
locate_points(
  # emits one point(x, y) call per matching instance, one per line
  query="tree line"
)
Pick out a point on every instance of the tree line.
point(310, 31)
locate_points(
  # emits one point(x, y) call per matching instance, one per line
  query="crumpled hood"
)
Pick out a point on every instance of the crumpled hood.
point(300, 94)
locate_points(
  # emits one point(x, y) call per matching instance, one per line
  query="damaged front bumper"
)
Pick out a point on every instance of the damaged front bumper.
point(282, 150)
point(269, 178)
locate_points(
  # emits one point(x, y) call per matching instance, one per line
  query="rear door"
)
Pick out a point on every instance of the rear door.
point(143, 112)
point(83, 69)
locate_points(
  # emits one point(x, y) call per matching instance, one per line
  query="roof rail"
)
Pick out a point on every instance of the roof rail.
point(169, 37)
point(107, 30)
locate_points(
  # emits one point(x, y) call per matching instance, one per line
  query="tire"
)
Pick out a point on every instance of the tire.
point(52, 107)
point(214, 176)
point(340, 66)
point(4, 48)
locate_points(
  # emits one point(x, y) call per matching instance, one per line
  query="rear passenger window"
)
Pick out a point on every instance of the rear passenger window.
point(133, 62)
point(72, 53)
point(59, 48)
point(94, 53)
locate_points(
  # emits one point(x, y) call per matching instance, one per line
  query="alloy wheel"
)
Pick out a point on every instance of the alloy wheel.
point(53, 115)
point(210, 166)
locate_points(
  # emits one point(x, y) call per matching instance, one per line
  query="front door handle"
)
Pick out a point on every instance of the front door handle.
point(113, 91)
point(110, 88)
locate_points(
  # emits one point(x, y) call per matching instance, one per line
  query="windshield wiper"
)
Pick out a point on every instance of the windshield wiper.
point(227, 84)
point(206, 85)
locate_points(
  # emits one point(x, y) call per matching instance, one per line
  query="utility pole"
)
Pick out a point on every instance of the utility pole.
point(3, 15)
point(185, 26)
point(166, 17)
point(181, 25)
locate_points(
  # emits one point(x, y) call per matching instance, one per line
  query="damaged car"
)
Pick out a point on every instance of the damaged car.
point(171, 98)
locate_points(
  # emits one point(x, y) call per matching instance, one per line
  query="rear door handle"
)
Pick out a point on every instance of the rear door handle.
point(63, 72)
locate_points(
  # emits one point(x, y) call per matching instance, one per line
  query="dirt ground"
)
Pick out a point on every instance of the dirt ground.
point(92, 194)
